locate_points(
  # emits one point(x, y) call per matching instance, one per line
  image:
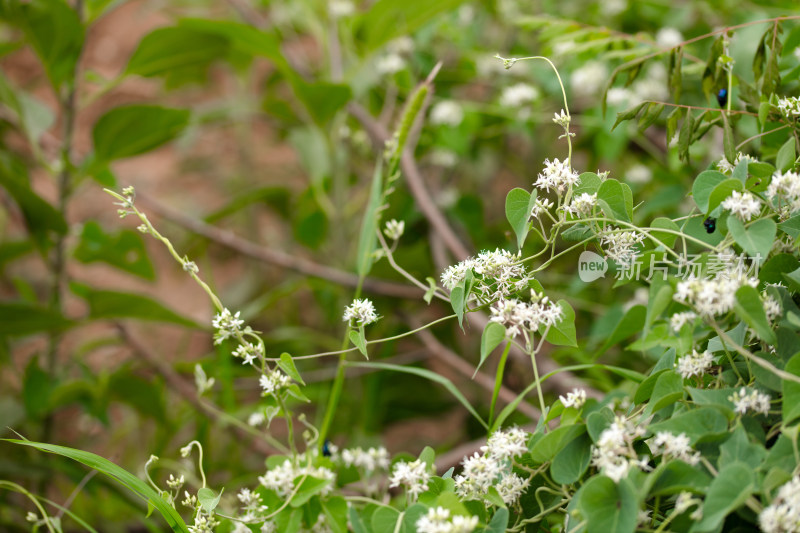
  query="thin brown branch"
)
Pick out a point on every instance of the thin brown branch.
point(278, 258)
point(378, 134)
point(187, 391)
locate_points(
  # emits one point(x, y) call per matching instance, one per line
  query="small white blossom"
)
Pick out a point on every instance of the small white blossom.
point(249, 353)
point(613, 454)
point(677, 321)
point(589, 79)
point(506, 444)
point(447, 113)
point(480, 472)
point(390, 64)
point(784, 190)
point(370, 460)
point(394, 229)
point(511, 487)
point(789, 106)
point(674, 447)
point(639, 174)
point(694, 364)
point(540, 206)
point(361, 313)
point(523, 317)
point(227, 325)
point(685, 501)
point(727, 167)
point(575, 399)
point(744, 205)
point(621, 245)
point(273, 382)
point(438, 521)
point(716, 296)
point(668, 37)
point(499, 273)
point(744, 400)
point(414, 476)
point(256, 419)
point(618, 96)
point(783, 514)
point(557, 176)
point(281, 478)
point(518, 95)
point(562, 119)
point(341, 8)
point(772, 307)
point(582, 205)
point(175, 483)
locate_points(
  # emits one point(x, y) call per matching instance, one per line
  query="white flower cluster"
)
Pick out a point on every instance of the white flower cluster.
point(447, 113)
point(557, 176)
point(500, 274)
point(273, 382)
point(772, 307)
point(684, 501)
point(562, 119)
point(494, 468)
point(523, 317)
point(668, 37)
point(752, 400)
point(582, 205)
point(281, 479)
point(227, 325)
point(252, 506)
point(394, 229)
point(621, 245)
point(783, 514)
point(414, 476)
point(789, 106)
point(674, 447)
point(518, 95)
point(360, 313)
point(575, 399)
point(710, 297)
point(249, 352)
point(726, 167)
point(694, 364)
point(613, 454)
point(744, 205)
point(438, 521)
point(589, 79)
point(784, 189)
point(677, 320)
point(540, 206)
point(370, 460)
point(203, 524)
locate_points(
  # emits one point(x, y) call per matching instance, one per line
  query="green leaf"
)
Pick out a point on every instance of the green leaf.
point(723, 191)
point(322, 99)
point(659, 298)
point(37, 389)
point(518, 211)
point(128, 480)
point(588, 182)
point(359, 341)
point(308, 488)
point(628, 114)
point(572, 461)
point(703, 186)
point(208, 499)
point(664, 223)
point(749, 308)
point(728, 491)
point(20, 318)
point(493, 335)
point(432, 376)
point(286, 364)
point(608, 507)
point(717, 398)
point(112, 304)
point(41, 218)
point(388, 19)
point(563, 332)
point(459, 295)
point(54, 31)
point(499, 521)
point(124, 250)
point(791, 226)
point(367, 240)
point(166, 50)
point(676, 476)
point(757, 239)
point(697, 424)
point(739, 448)
point(611, 197)
point(335, 510)
point(131, 130)
point(384, 520)
point(650, 116)
point(548, 446)
point(786, 156)
point(668, 390)
point(631, 322)
point(790, 407)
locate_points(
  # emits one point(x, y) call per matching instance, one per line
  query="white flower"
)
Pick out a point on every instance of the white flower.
point(390, 64)
point(784, 189)
point(519, 316)
point(360, 313)
point(789, 106)
point(249, 352)
point(341, 8)
point(562, 119)
point(480, 472)
point(370, 460)
point(582, 205)
point(540, 206)
point(499, 273)
point(227, 325)
point(684, 502)
point(772, 307)
point(401, 45)
point(394, 229)
point(668, 37)
point(677, 320)
point(727, 167)
point(694, 364)
point(447, 113)
point(621, 245)
point(444, 158)
point(783, 515)
point(175, 483)
point(256, 419)
point(613, 454)
point(557, 176)
point(744, 400)
point(674, 447)
point(414, 476)
point(618, 96)
point(639, 174)
point(575, 399)
point(438, 521)
point(281, 478)
point(518, 95)
point(273, 382)
point(743, 205)
point(506, 444)
point(511, 487)
point(589, 79)
point(715, 296)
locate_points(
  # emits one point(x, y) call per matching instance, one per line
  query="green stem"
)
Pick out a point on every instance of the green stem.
point(498, 381)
